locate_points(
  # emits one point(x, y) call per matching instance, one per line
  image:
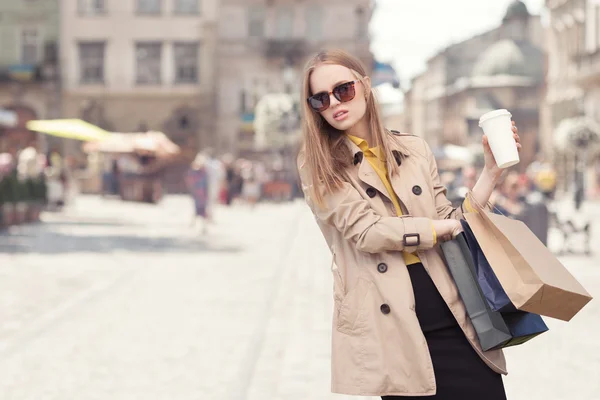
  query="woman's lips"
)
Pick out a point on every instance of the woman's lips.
point(340, 115)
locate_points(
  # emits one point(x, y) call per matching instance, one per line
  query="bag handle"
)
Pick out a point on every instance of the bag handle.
point(478, 207)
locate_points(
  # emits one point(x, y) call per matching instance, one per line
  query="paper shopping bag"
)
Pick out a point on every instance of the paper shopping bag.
point(532, 277)
point(490, 327)
point(523, 327)
point(494, 329)
point(488, 281)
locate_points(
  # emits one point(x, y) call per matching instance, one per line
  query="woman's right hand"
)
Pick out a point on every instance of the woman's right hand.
point(446, 229)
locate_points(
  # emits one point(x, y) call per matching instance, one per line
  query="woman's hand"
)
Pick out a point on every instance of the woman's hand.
point(446, 229)
point(490, 162)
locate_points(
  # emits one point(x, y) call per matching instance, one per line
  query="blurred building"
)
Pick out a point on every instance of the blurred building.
point(29, 83)
point(263, 45)
point(572, 106)
point(137, 65)
point(501, 68)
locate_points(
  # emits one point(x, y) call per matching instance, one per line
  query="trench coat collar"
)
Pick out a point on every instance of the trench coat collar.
point(365, 171)
point(367, 174)
point(398, 151)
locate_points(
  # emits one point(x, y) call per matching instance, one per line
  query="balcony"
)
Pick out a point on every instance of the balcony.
point(19, 73)
point(27, 73)
point(289, 49)
point(45, 70)
point(589, 68)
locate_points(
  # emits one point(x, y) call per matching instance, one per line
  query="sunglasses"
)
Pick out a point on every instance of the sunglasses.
point(344, 92)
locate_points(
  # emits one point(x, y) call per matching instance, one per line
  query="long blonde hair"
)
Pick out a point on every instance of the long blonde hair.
point(325, 154)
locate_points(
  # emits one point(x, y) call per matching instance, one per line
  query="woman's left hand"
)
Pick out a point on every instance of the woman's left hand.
point(490, 162)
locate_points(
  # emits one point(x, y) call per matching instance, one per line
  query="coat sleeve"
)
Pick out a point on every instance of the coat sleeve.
point(443, 206)
point(353, 217)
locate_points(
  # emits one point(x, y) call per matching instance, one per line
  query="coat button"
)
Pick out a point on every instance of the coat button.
point(385, 309)
point(382, 268)
point(371, 192)
point(358, 157)
point(417, 190)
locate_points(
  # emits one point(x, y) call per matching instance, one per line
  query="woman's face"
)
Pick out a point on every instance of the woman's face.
point(341, 116)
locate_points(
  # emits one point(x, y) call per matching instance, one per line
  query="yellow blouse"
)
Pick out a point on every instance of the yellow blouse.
point(377, 160)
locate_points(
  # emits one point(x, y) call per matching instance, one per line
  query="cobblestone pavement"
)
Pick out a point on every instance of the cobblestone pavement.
point(124, 301)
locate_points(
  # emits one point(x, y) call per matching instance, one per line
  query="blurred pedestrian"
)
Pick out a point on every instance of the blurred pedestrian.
point(251, 188)
point(232, 178)
point(401, 330)
point(510, 198)
point(216, 176)
point(198, 186)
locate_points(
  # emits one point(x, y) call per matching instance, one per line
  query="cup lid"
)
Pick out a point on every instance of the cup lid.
point(493, 114)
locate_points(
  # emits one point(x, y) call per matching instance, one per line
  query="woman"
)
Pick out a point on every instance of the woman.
point(251, 188)
point(400, 329)
point(197, 183)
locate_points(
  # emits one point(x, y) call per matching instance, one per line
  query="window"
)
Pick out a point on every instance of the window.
point(148, 60)
point(284, 23)
point(50, 52)
point(92, 7)
point(314, 23)
point(362, 24)
point(597, 15)
point(186, 7)
point(186, 62)
point(30, 41)
point(256, 21)
point(149, 6)
point(243, 102)
point(91, 62)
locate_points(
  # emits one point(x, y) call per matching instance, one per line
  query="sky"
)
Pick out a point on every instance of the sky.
point(408, 32)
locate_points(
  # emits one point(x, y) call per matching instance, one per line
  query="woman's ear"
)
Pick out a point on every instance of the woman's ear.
point(367, 86)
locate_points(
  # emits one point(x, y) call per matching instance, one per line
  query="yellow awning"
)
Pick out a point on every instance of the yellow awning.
point(69, 128)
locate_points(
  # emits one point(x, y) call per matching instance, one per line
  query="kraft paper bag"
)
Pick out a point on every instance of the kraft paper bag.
point(533, 278)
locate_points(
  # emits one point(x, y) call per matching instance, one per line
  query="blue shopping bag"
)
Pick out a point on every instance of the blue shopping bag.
point(523, 326)
point(491, 287)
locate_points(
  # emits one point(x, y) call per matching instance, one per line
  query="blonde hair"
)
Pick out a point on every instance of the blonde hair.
point(325, 154)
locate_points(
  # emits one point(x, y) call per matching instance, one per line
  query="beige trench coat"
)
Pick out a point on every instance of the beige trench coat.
point(378, 347)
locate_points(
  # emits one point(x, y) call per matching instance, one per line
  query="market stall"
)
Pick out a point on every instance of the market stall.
point(133, 163)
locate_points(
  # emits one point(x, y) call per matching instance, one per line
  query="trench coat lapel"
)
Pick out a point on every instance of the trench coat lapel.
point(400, 181)
point(365, 172)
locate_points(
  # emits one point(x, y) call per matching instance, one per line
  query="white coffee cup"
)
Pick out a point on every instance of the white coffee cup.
point(497, 125)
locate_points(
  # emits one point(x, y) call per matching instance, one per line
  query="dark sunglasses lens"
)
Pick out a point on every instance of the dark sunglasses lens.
point(319, 102)
point(344, 92)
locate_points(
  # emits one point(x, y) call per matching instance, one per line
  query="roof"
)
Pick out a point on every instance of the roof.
point(516, 10)
point(511, 58)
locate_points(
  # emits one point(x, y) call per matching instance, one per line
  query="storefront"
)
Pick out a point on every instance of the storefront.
point(14, 135)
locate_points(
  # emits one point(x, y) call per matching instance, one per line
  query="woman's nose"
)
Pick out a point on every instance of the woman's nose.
point(333, 101)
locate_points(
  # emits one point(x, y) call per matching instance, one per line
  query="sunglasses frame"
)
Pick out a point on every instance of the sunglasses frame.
point(332, 92)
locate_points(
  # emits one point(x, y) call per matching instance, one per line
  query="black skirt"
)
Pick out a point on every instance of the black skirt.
point(459, 372)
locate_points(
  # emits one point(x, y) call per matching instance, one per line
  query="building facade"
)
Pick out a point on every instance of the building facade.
point(263, 45)
point(137, 65)
point(29, 76)
point(572, 104)
point(501, 68)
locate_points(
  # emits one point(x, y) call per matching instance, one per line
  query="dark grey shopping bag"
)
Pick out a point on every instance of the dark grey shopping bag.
point(491, 329)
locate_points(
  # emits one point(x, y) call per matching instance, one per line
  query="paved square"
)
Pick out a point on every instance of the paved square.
point(123, 301)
